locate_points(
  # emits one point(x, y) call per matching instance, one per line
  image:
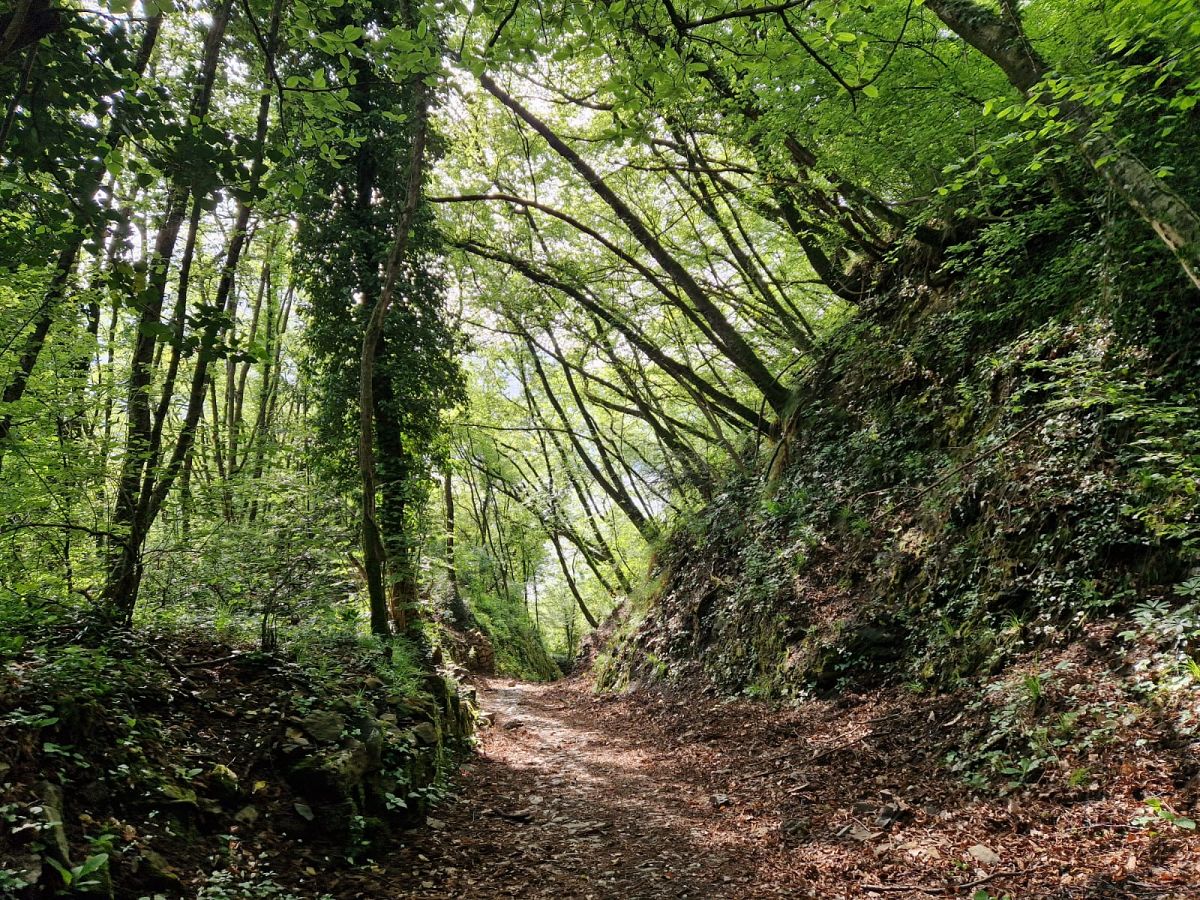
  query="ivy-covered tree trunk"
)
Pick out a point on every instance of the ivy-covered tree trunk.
point(395, 474)
point(374, 550)
point(458, 607)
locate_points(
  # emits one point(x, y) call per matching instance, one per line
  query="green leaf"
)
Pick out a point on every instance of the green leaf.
point(62, 870)
point(91, 864)
point(160, 331)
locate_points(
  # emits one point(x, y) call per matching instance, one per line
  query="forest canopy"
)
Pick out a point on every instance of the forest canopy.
point(458, 307)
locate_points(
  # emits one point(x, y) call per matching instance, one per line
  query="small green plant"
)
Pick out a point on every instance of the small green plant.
point(1020, 770)
point(12, 880)
point(394, 803)
point(259, 886)
point(1034, 686)
point(1150, 612)
point(43, 718)
point(1157, 812)
point(83, 875)
point(1190, 588)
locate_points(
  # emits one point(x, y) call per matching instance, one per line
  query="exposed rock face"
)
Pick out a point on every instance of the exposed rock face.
point(364, 767)
point(472, 649)
point(481, 657)
point(324, 725)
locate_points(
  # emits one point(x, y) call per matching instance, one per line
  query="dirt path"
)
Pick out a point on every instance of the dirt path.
point(563, 804)
point(655, 795)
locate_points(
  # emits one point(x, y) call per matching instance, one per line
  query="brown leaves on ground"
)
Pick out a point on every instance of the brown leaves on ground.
point(658, 795)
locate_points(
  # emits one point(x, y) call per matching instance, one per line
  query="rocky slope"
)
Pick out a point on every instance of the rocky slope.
point(188, 768)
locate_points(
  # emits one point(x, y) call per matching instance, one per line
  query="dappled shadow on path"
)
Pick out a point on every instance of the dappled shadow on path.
point(678, 795)
point(558, 806)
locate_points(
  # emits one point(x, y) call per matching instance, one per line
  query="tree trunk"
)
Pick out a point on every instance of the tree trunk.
point(374, 553)
point(140, 491)
point(67, 257)
point(566, 570)
point(681, 373)
point(1005, 43)
point(458, 608)
point(733, 345)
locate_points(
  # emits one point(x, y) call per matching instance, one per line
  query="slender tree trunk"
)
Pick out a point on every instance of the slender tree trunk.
point(733, 345)
point(680, 372)
point(141, 490)
point(566, 570)
point(27, 23)
point(10, 115)
point(1003, 41)
point(648, 527)
point(458, 608)
point(268, 400)
point(67, 257)
point(614, 488)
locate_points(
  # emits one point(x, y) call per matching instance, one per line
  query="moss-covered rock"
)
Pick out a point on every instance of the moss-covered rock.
point(360, 769)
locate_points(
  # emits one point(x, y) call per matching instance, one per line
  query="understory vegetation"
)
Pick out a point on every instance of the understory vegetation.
point(352, 349)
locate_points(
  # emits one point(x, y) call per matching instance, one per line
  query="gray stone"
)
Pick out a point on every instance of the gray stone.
point(247, 815)
point(984, 855)
point(324, 725)
point(352, 763)
point(51, 813)
point(426, 732)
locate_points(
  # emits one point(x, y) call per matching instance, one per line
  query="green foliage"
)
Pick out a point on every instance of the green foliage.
point(519, 647)
point(256, 886)
point(1158, 813)
point(973, 471)
point(83, 876)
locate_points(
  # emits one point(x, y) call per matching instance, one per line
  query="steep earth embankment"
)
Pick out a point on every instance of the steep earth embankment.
point(1001, 450)
point(182, 767)
point(988, 490)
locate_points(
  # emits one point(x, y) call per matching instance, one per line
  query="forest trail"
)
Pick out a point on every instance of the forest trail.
point(573, 797)
point(683, 795)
